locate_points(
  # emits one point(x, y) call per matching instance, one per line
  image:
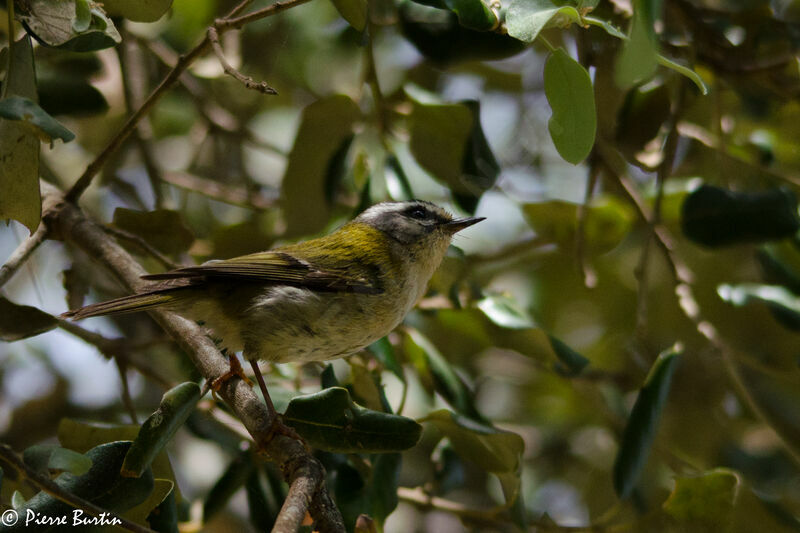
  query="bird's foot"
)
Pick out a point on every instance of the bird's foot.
point(235, 370)
point(278, 427)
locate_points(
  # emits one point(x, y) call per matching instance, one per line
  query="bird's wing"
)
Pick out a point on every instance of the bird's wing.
point(278, 268)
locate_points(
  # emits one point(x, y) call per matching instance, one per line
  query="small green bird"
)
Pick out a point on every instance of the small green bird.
point(311, 301)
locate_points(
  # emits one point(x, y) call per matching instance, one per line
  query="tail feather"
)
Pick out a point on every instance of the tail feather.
point(126, 304)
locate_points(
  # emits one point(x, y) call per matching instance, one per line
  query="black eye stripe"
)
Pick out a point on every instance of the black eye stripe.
point(419, 213)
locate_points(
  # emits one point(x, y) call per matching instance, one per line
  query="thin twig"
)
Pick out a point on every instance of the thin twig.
point(229, 194)
point(143, 244)
point(21, 253)
point(127, 400)
point(221, 25)
point(247, 81)
point(422, 499)
point(53, 489)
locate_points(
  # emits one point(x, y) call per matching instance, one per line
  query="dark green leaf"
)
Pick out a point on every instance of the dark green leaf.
point(328, 378)
point(137, 10)
point(383, 485)
point(526, 18)
point(473, 14)
point(439, 135)
point(569, 91)
point(329, 420)
point(22, 109)
point(263, 510)
point(22, 321)
point(437, 34)
point(164, 518)
point(65, 95)
point(573, 362)
point(234, 477)
point(383, 351)
point(162, 490)
point(325, 124)
point(176, 406)
point(705, 501)
point(506, 312)
point(445, 380)
point(44, 457)
point(161, 228)
point(19, 146)
point(337, 169)
point(479, 167)
point(640, 430)
point(101, 485)
point(353, 11)
point(717, 217)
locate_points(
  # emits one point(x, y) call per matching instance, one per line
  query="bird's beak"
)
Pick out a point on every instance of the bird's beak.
point(457, 224)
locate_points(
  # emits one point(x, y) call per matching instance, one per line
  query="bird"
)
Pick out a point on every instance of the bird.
point(316, 300)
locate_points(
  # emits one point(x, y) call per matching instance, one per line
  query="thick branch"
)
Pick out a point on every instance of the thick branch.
point(303, 472)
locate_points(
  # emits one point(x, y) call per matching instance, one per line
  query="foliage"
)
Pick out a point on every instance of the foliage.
point(636, 162)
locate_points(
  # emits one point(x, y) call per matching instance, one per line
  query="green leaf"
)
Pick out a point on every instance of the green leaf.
point(384, 481)
point(162, 490)
point(62, 24)
point(705, 501)
point(638, 60)
point(506, 312)
point(47, 128)
point(23, 321)
point(101, 484)
point(569, 91)
point(573, 362)
point(383, 351)
point(717, 217)
point(137, 10)
point(329, 420)
point(19, 146)
point(44, 457)
point(67, 95)
point(325, 124)
point(473, 14)
point(479, 168)
point(494, 450)
point(526, 18)
point(162, 228)
point(164, 518)
point(640, 430)
point(353, 11)
point(159, 428)
point(262, 509)
point(781, 301)
point(607, 222)
point(445, 380)
point(437, 34)
point(439, 134)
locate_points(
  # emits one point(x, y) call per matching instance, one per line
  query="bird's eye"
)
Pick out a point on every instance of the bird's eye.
point(417, 212)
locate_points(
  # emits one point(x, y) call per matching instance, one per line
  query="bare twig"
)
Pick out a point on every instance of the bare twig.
point(422, 499)
point(53, 489)
point(127, 400)
point(221, 25)
point(247, 81)
point(21, 254)
point(230, 194)
point(303, 472)
point(143, 244)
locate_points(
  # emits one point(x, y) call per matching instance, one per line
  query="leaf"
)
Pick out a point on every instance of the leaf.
point(638, 60)
point(44, 457)
point(473, 14)
point(713, 216)
point(569, 91)
point(439, 134)
point(159, 428)
point(745, 293)
point(526, 18)
point(353, 11)
point(54, 22)
point(705, 501)
point(325, 124)
point(69, 95)
point(329, 420)
point(383, 485)
point(164, 518)
point(263, 510)
point(494, 450)
point(101, 485)
point(162, 228)
point(47, 128)
point(383, 351)
point(640, 430)
point(162, 490)
point(437, 34)
point(573, 362)
point(445, 380)
point(479, 168)
point(19, 147)
point(22, 321)
point(506, 312)
point(137, 10)
point(607, 222)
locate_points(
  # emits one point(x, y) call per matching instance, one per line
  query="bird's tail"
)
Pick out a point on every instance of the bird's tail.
point(126, 304)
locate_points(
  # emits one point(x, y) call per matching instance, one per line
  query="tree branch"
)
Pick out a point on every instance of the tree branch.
point(302, 471)
point(21, 254)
